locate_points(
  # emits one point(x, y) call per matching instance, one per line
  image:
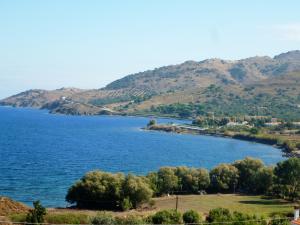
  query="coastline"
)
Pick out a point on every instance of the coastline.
point(186, 129)
point(180, 129)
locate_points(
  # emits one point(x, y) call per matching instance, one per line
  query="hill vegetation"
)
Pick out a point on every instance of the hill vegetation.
point(253, 86)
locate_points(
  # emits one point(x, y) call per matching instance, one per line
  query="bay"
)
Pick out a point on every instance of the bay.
point(42, 154)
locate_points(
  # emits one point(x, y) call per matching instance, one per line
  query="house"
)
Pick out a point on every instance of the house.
point(272, 124)
point(244, 123)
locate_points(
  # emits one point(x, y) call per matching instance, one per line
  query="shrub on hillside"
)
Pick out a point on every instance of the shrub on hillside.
point(103, 219)
point(166, 217)
point(37, 214)
point(191, 216)
point(219, 215)
point(129, 220)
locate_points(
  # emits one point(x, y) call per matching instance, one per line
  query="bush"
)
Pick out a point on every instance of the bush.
point(191, 216)
point(103, 219)
point(219, 215)
point(278, 220)
point(129, 220)
point(151, 123)
point(126, 204)
point(36, 215)
point(166, 217)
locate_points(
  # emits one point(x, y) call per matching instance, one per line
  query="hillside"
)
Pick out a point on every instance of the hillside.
point(254, 86)
point(8, 206)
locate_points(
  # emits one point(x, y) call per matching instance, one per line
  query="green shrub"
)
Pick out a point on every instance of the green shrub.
point(151, 123)
point(129, 220)
point(191, 216)
point(279, 220)
point(166, 217)
point(126, 204)
point(36, 215)
point(219, 215)
point(103, 219)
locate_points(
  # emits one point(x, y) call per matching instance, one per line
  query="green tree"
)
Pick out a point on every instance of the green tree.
point(264, 180)
point(167, 180)
point(288, 177)
point(36, 215)
point(136, 189)
point(248, 169)
point(191, 216)
point(97, 189)
point(152, 178)
point(166, 217)
point(151, 123)
point(192, 180)
point(224, 177)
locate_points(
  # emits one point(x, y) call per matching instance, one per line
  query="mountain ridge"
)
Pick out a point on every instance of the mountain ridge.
point(184, 83)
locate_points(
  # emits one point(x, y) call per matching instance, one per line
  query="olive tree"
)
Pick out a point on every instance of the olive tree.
point(136, 190)
point(167, 180)
point(96, 189)
point(224, 177)
point(287, 175)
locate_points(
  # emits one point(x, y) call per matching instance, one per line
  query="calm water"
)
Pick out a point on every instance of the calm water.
point(41, 154)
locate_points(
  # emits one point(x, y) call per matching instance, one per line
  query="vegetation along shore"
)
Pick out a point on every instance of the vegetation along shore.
point(265, 130)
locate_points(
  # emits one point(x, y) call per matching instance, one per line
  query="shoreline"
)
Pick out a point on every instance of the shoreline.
point(187, 130)
point(184, 129)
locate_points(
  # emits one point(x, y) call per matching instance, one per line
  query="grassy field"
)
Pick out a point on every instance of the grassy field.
point(202, 203)
point(247, 204)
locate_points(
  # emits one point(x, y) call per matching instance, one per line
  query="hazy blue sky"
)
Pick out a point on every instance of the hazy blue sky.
point(83, 43)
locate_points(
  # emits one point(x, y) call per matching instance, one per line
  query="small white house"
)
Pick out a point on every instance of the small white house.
point(237, 124)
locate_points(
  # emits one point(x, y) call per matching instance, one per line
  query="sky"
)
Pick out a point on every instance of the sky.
point(51, 44)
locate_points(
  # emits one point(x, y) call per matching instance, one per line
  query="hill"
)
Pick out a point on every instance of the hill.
point(251, 86)
point(8, 206)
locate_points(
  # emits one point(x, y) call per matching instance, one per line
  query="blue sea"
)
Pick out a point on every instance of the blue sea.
point(42, 154)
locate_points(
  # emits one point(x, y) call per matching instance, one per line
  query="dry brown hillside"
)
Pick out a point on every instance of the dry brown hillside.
point(256, 85)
